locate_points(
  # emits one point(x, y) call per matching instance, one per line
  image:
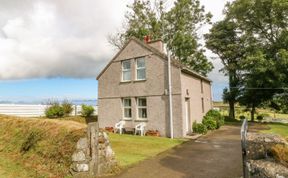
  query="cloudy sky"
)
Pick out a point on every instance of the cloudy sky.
point(47, 44)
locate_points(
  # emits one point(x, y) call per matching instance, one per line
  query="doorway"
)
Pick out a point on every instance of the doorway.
point(187, 116)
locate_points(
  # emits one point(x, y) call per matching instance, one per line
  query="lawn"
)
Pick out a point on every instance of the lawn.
point(130, 149)
point(277, 128)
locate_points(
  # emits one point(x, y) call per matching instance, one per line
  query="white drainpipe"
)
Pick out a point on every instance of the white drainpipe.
point(170, 95)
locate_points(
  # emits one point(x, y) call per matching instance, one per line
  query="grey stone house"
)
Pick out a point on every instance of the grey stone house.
point(134, 87)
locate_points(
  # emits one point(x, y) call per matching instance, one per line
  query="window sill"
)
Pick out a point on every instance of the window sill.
point(141, 120)
point(128, 81)
point(127, 119)
point(144, 80)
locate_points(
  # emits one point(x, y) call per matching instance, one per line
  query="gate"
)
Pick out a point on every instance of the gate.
point(244, 129)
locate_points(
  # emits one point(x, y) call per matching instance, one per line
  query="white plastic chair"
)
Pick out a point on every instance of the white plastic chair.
point(140, 128)
point(119, 126)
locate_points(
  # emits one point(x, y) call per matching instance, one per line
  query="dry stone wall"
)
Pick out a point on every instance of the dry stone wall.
point(93, 156)
point(260, 163)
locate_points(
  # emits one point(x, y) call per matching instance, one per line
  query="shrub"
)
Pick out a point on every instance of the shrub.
point(67, 107)
point(216, 115)
point(199, 128)
point(31, 141)
point(87, 111)
point(209, 122)
point(242, 117)
point(259, 118)
point(280, 153)
point(54, 110)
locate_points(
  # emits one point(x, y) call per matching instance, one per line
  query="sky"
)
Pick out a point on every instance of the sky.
point(56, 48)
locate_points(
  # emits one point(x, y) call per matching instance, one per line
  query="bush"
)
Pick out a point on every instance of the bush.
point(87, 111)
point(216, 115)
point(54, 110)
point(67, 107)
point(209, 122)
point(280, 153)
point(31, 141)
point(199, 128)
point(242, 117)
point(259, 118)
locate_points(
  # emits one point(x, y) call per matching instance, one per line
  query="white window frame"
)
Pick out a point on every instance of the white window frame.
point(126, 70)
point(140, 68)
point(142, 107)
point(126, 107)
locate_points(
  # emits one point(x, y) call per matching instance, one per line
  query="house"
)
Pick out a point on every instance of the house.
point(134, 87)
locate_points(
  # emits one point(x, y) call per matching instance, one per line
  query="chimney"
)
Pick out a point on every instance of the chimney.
point(147, 39)
point(157, 44)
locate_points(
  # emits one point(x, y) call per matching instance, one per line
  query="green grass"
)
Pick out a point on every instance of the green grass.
point(130, 149)
point(53, 142)
point(51, 145)
point(240, 110)
point(11, 168)
point(277, 128)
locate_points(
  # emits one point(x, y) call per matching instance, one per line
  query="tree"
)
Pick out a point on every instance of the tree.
point(263, 23)
point(225, 41)
point(140, 20)
point(280, 102)
point(177, 28)
point(181, 25)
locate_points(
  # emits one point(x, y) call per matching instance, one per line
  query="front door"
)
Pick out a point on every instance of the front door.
point(187, 116)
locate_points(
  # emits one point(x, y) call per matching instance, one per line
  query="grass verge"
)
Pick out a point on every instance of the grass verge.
point(277, 128)
point(43, 147)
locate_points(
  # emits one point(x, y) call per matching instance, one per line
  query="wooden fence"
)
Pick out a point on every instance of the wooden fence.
point(24, 110)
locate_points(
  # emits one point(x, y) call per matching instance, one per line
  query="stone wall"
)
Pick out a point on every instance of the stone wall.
point(93, 155)
point(260, 162)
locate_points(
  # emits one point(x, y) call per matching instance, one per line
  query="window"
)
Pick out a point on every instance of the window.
point(202, 101)
point(126, 70)
point(142, 108)
point(140, 69)
point(127, 108)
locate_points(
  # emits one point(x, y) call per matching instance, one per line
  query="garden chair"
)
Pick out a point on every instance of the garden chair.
point(140, 128)
point(119, 126)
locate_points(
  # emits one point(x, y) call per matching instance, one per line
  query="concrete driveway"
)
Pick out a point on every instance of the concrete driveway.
point(216, 155)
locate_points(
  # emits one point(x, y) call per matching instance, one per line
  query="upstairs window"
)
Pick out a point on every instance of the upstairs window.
point(140, 69)
point(142, 108)
point(126, 70)
point(127, 108)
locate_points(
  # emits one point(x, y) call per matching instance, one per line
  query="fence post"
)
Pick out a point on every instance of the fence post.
point(93, 147)
point(243, 133)
point(75, 110)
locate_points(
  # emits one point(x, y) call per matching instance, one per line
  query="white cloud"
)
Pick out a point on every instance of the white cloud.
point(57, 37)
point(40, 38)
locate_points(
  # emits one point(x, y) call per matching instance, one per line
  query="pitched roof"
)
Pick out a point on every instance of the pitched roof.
point(155, 51)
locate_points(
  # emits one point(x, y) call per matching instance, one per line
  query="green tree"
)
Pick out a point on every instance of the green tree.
point(140, 20)
point(280, 102)
point(263, 24)
point(225, 41)
point(177, 28)
point(181, 25)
